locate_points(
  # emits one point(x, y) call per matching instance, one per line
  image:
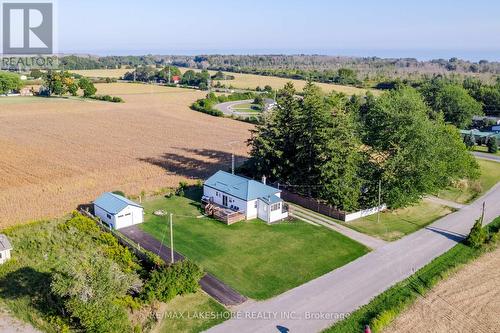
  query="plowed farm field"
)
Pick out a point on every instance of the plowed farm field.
point(59, 153)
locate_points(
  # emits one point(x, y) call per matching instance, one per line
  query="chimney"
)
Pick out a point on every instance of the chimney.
point(264, 180)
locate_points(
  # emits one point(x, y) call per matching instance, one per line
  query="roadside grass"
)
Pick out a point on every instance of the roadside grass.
point(395, 224)
point(184, 314)
point(466, 191)
point(256, 259)
point(484, 149)
point(383, 309)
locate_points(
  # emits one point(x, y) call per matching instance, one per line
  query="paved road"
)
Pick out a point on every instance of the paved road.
point(486, 156)
point(368, 241)
point(227, 107)
point(349, 287)
point(210, 284)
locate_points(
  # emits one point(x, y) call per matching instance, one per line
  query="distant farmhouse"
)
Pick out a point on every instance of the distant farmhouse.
point(232, 198)
point(5, 248)
point(118, 212)
point(176, 79)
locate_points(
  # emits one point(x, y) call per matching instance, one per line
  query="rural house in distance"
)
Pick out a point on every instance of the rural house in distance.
point(241, 198)
point(118, 212)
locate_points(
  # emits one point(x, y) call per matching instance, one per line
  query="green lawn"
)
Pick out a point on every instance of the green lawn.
point(466, 192)
point(398, 223)
point(258, 260)
point(182, 314)
point(248, 107)
point(483, 149)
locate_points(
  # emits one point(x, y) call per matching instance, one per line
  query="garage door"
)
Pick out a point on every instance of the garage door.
point(125, 220)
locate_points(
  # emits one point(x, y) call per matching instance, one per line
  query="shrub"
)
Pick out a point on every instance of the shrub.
point(118, 253)
point(477, 236)
point(107, 98)
point(169, 281)
point(120, 193)
point(383, 320)
point(182, 188)
point(492, 144)
point(90, 288)
point(81, 223)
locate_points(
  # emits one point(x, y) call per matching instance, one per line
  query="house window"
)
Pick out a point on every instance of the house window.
point(108, 216)
point(275, 207)
point(255, 204)
point(0, 255)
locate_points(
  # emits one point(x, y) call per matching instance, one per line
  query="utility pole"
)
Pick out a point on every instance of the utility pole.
point(232, 163)
point(379, 200)
point(482, 215)
point(172, 259)
point(169, 76)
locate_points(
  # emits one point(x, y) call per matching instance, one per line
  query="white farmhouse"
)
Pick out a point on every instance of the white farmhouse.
point(5, 248)
point(246, 196)
point(118, 212)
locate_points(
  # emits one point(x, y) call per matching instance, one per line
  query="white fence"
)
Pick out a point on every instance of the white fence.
point(363, 213)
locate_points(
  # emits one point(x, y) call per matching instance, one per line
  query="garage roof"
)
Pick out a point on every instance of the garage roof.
point(114, 203)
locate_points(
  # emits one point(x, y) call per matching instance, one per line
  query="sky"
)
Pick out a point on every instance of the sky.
point(420, 29)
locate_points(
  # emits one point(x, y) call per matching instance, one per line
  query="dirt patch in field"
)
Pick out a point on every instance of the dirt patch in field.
point(469, 301)
point(57, 154)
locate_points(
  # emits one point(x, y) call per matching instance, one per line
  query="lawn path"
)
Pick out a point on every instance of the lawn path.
point(444, 202)
point(210, 284)
point(366, 240)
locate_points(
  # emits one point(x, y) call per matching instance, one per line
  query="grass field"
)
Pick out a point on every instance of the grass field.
point(60, 153)
point(483, 149)
point(250, 81)
point(466, 192)
point(381, 310)
point(248, 108)
point(258, 260)
point(398, 223)
point(182, 314)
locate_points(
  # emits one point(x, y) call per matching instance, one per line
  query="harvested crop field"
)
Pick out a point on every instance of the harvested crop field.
point(469, 301)
point(251, 81)
point(242, 81)
point(59, 153)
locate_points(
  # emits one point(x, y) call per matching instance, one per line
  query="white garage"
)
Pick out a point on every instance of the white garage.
point(118, 212)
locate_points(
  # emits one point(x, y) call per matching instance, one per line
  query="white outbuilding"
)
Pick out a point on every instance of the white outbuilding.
point(5, 248)
point(118, 212)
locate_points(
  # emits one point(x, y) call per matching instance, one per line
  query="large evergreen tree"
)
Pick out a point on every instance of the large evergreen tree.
point(410, 153)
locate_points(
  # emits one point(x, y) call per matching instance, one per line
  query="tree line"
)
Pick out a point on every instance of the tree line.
point(340, 149)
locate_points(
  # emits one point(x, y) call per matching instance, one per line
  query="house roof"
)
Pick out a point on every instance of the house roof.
point(4, 243)
point(114, 203)
point(480, 134)
point(272, 199)
point(240, 187)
